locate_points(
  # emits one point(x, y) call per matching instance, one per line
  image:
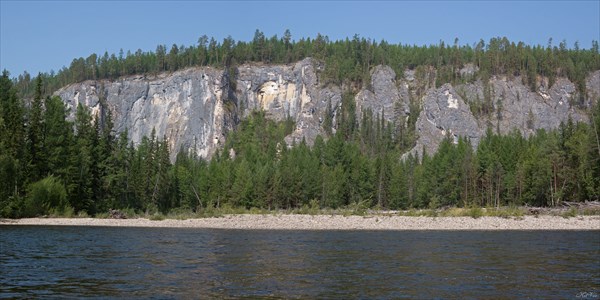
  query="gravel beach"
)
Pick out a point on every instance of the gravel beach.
point(334, 222)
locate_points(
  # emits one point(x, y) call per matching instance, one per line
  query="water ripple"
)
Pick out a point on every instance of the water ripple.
point(76, 262)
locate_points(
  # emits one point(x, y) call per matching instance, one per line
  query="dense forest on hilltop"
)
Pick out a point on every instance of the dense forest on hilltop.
point(49, 165)
point(346, 61)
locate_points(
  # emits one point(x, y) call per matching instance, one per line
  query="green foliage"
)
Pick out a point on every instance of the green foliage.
point(475, 212)
point(70, 212)
point(571, 213)
point(49, 165)
point(156, 217)
point(45, 196)
point(36, 157)
point(13, 162)
point(257, 171)
point(312, 208)
point(358, 208)
point(181, 213)
point(346, 61)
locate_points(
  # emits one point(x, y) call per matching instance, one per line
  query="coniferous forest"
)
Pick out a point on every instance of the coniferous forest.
point(348, 60)
point(50, 165)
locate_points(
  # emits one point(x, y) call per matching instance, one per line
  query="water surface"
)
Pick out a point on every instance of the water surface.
point(59, 262)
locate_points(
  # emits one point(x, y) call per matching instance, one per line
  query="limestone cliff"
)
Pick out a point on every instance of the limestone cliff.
point(446, 110)
point(186, 107)
point(196, 108)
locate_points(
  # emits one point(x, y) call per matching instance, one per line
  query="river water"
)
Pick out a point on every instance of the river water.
point(77, 262)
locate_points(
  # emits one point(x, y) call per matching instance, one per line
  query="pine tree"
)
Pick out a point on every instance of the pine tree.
point(81, 182)
point(242, 192)
point(334, 185)
point(118, 180)
point(163, 187)
point(58, 137)
point(35, 135)
point(12, 148)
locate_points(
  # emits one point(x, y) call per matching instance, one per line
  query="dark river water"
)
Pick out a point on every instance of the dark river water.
point(78, 262)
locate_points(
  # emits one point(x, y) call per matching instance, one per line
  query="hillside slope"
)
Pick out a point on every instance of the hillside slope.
point(195, 108)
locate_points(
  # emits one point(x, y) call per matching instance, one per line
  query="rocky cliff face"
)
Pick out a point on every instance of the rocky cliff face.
point(195, 108)
point(444, 113)
point(186, 106)
point(447, 110)
point(388, 96)
point(287, 91)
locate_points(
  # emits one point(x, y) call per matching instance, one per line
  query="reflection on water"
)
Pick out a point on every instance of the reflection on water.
point(198, 263)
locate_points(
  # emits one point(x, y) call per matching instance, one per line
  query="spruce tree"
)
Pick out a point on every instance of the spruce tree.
point(35, 135)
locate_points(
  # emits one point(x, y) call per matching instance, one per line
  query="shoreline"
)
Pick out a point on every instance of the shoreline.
point(331, 222)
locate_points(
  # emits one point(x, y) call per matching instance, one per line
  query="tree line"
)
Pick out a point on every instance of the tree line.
point(347, 60)
point(51, 165)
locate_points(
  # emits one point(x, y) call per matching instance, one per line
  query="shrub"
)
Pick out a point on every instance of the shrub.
point(80, 214)
point(12, 208)
point(475, 212)
point(44, 196)
point(157, 217)
point(358, 208)
point(181, 213)
point(505, 212)
point(572, 212)
point(210, 212)
point(312, 208)
point(151, 209)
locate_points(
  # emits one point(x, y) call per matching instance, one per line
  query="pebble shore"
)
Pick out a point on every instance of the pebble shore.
point(334, 222)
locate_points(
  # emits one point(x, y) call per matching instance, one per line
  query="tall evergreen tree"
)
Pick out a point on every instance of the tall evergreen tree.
point(12, 148)
point(58, 137)
point(35, 135)
point(80, 185)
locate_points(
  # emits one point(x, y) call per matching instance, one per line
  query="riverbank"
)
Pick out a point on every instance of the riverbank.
point(334, 222)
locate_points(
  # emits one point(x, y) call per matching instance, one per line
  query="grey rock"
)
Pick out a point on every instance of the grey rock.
point(190, 110)
point(514, 104)
point(409, 75)
point(185, 107)
point(388, 97)
point(468, 71)
point(287, 91)
point(592, 85)
point(515, 108)
point(444, 114)
point(195, 109)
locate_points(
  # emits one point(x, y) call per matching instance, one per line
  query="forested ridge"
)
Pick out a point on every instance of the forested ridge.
point(346, 61)
point(49, 165)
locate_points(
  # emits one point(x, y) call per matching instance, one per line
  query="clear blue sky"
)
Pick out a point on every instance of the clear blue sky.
point(47, 35)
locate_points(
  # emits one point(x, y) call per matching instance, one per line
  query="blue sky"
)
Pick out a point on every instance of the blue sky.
point(47, 35)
